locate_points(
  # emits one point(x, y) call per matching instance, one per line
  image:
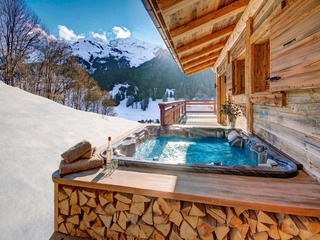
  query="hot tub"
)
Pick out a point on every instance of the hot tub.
point(257, 157)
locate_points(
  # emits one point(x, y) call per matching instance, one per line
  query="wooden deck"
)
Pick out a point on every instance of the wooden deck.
point(201, 119)
point(195, 111)
point(299, 195)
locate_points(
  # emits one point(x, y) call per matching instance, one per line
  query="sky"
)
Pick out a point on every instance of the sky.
point(104, 19)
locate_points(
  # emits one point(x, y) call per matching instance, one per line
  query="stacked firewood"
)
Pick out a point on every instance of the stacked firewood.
point(110, 215)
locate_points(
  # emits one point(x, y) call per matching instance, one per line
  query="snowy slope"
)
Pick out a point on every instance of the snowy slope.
point(34, 131)
point(132, 49)
point(136, 114)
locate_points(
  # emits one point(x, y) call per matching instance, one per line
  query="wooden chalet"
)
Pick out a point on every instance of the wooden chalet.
point(266, 56)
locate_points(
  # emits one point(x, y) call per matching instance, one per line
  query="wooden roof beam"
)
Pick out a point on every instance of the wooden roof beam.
point(203, 52)
point(200, 68)
point(171, 6)
point(206, 40)
point(157, 18)
point(250, 11)
point(209, 19)
point(201, 60)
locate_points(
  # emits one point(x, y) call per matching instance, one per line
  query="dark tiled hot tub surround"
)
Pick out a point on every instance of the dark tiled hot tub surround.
point(125, 148)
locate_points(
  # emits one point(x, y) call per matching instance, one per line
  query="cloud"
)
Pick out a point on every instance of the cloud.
point(121, 32)
point(101, 36)
point(68, 34)
point(44, 34)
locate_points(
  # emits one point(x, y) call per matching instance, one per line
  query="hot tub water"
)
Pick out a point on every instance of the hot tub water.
point(204, 150)
point(208, 150)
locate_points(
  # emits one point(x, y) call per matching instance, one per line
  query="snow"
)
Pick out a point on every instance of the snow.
point(136, 114)
point(133, 113)
point(134, 50)
point(170, 92)
point(116, 88)
point(34, 131)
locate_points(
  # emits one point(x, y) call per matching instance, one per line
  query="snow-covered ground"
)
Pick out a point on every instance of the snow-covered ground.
point(34, 131)
point(135, 114)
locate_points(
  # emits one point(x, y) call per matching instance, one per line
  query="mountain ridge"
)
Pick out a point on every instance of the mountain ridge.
point(147, 67)
point(134, 50)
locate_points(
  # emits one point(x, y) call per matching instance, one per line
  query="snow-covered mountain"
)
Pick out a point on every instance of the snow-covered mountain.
point(131, 50)
point(146, 67)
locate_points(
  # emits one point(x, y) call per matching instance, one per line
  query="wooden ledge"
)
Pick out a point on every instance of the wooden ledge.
point(271, 99)
point(299, 195)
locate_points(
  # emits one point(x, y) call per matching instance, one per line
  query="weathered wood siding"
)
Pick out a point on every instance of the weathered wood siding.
point(261, 71)
point(229, 77)
point(295, 46)
point(295, 128)
point(286, 115)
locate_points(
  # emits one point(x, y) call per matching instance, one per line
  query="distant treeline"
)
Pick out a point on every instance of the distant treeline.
point(152, 78)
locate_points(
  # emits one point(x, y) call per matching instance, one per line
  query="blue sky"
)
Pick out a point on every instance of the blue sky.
point(106, 19)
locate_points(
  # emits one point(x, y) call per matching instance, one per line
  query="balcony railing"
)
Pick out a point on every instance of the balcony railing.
point(171, 112)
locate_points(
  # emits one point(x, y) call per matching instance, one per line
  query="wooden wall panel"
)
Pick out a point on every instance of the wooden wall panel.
point(221, 69)
point(288, 114)
point(261, 70)
point(294, 129)
point(229, 75)
point(239, 47)
point(274, 99)
point(295, 46)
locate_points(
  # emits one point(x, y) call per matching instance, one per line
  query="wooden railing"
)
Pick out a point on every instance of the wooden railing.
point(171, 112)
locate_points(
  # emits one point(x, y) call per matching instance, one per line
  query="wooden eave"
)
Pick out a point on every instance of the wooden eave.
point(195, 31)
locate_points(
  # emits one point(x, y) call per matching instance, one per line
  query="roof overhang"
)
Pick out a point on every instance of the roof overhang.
point(195, 31)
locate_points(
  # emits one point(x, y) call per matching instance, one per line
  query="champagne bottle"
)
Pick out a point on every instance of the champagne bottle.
point(109, 153)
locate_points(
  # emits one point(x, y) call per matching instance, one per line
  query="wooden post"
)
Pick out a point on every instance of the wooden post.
point(218, 96)
point(173, 115)
point(162, 114)
point(248, 75)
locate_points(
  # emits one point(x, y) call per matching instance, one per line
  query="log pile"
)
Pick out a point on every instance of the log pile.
point(112, 215)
